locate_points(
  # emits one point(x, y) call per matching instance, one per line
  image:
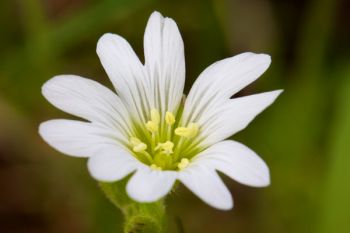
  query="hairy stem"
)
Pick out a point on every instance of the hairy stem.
point(139, 217)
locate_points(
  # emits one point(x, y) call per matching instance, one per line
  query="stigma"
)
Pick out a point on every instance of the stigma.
point(166, 147)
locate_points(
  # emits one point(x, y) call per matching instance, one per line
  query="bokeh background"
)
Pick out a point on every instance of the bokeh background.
point(304, 137)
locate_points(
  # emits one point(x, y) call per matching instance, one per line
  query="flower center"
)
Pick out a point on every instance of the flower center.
point(162, 144)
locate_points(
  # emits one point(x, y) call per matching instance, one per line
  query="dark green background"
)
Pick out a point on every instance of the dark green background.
point(304, 137)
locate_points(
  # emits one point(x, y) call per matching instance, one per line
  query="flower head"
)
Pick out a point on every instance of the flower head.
point(148, 129)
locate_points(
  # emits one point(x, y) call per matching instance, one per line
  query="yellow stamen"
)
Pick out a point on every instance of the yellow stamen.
point(155, 116)
point(188, 132)
point(166, 147)
point(139, 148)
point(155, 167)
point(183, 131)
point(152, 126)
point(183, 163)
point(169, 118)
point(134, 141)
point(137, 145)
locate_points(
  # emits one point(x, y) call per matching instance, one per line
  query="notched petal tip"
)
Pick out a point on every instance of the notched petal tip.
point(109, 41)
point(155, 20)
point(111, 163)
point(263, 59)
point(47, 87)
point(42, 129)
point(227, 206)
point(148, 185)
point(264, 56)
point(47, 133)
point(260, 59)
point(207, 185)
point(238, 162)
point(57, 82)
point(156, 14)
point(265, 181)
point(106, 38)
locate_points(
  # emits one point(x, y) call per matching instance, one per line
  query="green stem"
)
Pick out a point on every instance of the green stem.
point(139, 217)
point(335, 210)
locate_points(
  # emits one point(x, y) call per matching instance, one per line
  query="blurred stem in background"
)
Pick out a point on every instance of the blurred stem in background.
point(46, 42)
point(336, 198)
point(306, 88)
point(39, 51)
point(301, 115)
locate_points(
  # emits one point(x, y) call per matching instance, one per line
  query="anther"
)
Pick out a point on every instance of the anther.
point(183, 163)
point(137, 145)
point(169, 118)
point(155, 116)
point(152, 126)
point(188, 132)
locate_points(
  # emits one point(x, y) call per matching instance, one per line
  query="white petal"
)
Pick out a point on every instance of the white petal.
point(87, 99)
point(164, 61)
point(76, 138)
point(207, 185)
point(126, 73)
point(111, 164)
point(222, 80)
point(238, 162)
point(226, 120)
point(148, 185)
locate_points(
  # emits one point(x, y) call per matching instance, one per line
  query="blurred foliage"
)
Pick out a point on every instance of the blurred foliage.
point(304, 136)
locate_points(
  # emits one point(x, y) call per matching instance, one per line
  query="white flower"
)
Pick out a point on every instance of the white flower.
point(149, 129)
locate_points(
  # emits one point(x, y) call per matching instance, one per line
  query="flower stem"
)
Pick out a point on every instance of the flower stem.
point(139, 217)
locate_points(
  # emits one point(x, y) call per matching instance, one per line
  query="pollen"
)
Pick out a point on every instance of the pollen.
point(155, 116)
point(169, 118)
point(137, 145)
point(166, 147)
point(188, 132)
point(152, 126)
point(155, 142)
point(183, 163)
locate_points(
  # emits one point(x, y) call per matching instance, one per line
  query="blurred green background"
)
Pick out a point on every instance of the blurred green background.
point(304, 137)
